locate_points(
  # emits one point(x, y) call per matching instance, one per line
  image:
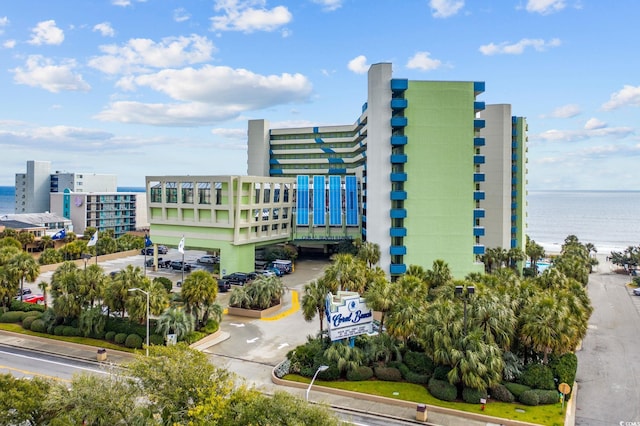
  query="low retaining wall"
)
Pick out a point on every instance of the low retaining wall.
point(101, 258)
point(252, 313)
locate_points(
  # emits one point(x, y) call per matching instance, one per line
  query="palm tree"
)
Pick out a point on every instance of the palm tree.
point(22, 267)
point(313, 301)
point(439, 274)
point(136, 303)
point(92, 322)
point(543, 325)
point(346, 273)
point(379, 297)
point(8, 286)
point(44, 287)
point(92, 284)
point(476, 363)
point(492, 314)
point(369, 253)
point(346, 357)
point(535, 252)
point(199, 292)
point(175, 321)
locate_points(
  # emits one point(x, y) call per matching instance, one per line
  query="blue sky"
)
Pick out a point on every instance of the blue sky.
point(158, 87)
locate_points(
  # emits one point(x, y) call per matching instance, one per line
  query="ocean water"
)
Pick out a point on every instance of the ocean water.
point(610, 220)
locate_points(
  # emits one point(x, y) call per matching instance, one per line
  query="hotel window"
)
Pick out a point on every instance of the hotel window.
point(172, 192)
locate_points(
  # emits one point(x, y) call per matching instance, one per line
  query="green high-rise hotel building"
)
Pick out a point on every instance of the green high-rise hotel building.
point(427, 172)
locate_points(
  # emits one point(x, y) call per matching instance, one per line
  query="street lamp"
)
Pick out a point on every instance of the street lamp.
point(321, 368)
point(147, 294)
point(85, 257)
point(459, 291)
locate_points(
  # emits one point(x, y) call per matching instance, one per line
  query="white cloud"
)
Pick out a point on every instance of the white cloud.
point(181, 15)
point(42, 72)
point(105, 29)
point(545, 7)
point(445, 8)
point(565, 111)
point(122, 3)
point(141, 53)
point(423, 62)
point(628, 96)
point(329, 5)
point(9, 44)
point(4, 21)
point(359, 64)
point(209, 94)
point(242, 15)
point(519, 47)
point(46, 32)
point(594, 123)
point(579, 135)
point(239, 134)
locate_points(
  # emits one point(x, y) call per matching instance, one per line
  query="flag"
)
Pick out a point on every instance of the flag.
point(60, 235)
point(147, 241)
point(93, 240)
point(181, 246)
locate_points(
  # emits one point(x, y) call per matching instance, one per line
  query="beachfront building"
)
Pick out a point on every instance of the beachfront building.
point(121, 212)
point(228, 215)
point(408, 175)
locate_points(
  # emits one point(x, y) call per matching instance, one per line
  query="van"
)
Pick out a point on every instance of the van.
point(285, 266)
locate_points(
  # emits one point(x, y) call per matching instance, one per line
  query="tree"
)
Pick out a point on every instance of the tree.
point(345, 357)
point(313, 301)
point(175, 321)
point(92, 284)
point(535, 252)
point(136, 303)
point(439, 274)
point(346, 273)
point(199, 292)
point(68, 299)
point(50, 256)
point(44, 288)
point(22, 400)
point(92, 322)
point(23, 267)
point(369, 253)
point(25, 238)
point(46, 242)
point(379, 297)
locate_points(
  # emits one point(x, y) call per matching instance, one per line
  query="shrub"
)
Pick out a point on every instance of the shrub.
point(36, 314)
point(410, 376)
point(538, 376)
point(516, 389)
point(529, 397)
point(120, 338)
point(193, 337)
point(38, 326)
point(388, 374)
point(166, 282)
point(98, 334)
point(360, 374)
point(11, 317)
point(210, 328)
point(110, 335)
point(17, 305)
point(442, 390)
point(473, 396)
point(133, 341)
point(156, 339)
point(500, 393)
point(440, 372)
point(565, 367)
point(546, 396)
point(418, 362)
point(71, 331)
point(58, 330)
point(26, 322)
point(331, 373)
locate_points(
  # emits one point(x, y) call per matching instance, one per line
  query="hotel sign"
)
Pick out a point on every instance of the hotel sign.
point(347, 315)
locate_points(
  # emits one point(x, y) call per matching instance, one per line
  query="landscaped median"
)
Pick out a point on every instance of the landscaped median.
point(410, 395)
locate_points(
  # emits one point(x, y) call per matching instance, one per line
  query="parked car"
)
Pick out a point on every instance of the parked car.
point(33, 298)
point(275, 270)
point(25, 291)
point(223, 285)
point(237, 278)
point(163, 249)
point(179, 265)
point(266, 273)
point(210, 259)
point(636, 291)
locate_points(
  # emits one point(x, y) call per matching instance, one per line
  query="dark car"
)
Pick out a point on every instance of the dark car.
point(149, 250)
point(237, 278)
point(223, 285)
point(179, 265)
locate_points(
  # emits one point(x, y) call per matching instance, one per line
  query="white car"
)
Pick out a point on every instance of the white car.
point(266, 273)
point(636, 291)
point(209, 259)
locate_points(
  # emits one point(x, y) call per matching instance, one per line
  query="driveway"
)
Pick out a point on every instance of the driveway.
point(609, 361)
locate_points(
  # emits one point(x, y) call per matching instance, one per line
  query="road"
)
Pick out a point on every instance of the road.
point(609, 361)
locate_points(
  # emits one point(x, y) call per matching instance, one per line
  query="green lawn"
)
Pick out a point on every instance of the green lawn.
point(543, 414)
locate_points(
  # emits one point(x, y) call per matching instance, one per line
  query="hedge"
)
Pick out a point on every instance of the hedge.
point(11, 317)
point(58, 330)
point(26, 322)
point(516, 388)
point(538, 376)
point(546, 396)
point(473, 396)
point(38, 326)
point(500, 393)
point(442, 390)
point(565, 368)
point(156, 339)
point(529, 397)
point(120, 338)
point(441, 371)
point(413, 377)
point(109, 336)
point(133, 341)
point(360, 374)
point(418, 362)
point(71, 331)
point(388, 374)
point(331, 373)
point(17, 305)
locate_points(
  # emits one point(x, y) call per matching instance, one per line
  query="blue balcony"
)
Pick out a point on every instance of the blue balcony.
point(514, 169)
point(399, 121)
point(398, 232)
point(398, 158)
point(398, 269)
point(514, 218)
point(398, 195)
point(514, 243)
point(397, 250)
point(398, 177)
point(398, 140)
point(514, 157)
point(478, 177)
point(398, 103)
point(514, 119)
point(514, 181)
point(478, 142)
point(478, 250)
point(478, 106)
point(478, 159)
point(274, 172)
point(514, 230)
point(399, 84)
point(478, 195)
point(478, 231)
point(398, 213)
point(478, 213)
point(479, 124)
point(514, 205)
point(274, 161)
point(478, 87)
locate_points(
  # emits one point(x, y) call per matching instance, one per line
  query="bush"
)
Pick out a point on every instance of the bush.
point(360, 374)
point(36, 314)
point(120, 338)
point(26, 322)
point(156, 339)
point(538, 376)
point(442, 390)
point(39, 326)
point(529, 397)
point(516, 389)
point(166, 282)
point(330, 374)
point(58, 330)
point(418, 362)
point(17, 305)
point(500, 393)
point(11, 317)
point(193, 337)
point(133, 341)
point(71, 331)
point(546, 396)
point(388, 374)
point(109, 336)
point(440, 372)
point(473, 396)
point(565, 367)
point(410, 376)
point(211, 327)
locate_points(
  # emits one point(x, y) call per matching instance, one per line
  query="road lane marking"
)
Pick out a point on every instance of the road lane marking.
point(295, 306)
point(33, 373)
point(53, 362)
